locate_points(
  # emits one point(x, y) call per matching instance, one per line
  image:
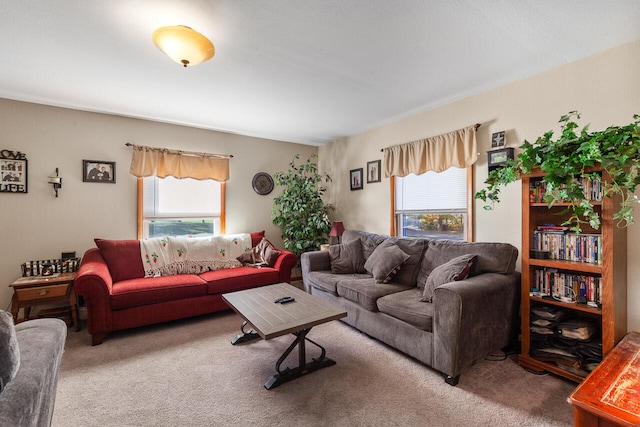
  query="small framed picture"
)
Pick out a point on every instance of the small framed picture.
point(373, 171)
point(13, 175)
point(498, 158)
point(497, 139)
point(98, 171)
point(355, 179)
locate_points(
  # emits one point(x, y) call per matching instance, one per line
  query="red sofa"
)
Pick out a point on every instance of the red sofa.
point(118, 296)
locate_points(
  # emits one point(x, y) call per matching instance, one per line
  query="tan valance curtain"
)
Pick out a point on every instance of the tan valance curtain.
point(162, 162)
point(438, 153)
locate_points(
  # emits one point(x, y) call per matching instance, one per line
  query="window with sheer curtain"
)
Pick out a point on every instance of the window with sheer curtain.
point(181, 207)
point(179, 193)
point(433, 204)
point(431, 178)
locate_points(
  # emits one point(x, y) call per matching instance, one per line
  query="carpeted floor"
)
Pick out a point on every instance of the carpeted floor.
point(186, 373)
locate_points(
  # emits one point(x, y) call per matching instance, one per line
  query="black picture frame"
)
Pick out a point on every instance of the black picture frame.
point(373, 171)
point(498, 139)
point(355, 179)
point(13, 172)
point(99, 171)
point(497, 158)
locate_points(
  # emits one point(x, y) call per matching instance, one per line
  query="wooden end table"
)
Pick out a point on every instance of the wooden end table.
point(270, 319)
point(610, 395)
point(44, 290)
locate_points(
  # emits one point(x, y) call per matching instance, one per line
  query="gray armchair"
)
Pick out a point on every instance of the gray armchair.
point(31, 353)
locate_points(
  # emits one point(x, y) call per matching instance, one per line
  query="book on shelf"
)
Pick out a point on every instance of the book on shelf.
point(552, 227)
point(567, 286)
point(591, 189)
point(569, 246)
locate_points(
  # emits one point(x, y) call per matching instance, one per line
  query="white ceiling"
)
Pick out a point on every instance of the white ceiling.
point(304, 71)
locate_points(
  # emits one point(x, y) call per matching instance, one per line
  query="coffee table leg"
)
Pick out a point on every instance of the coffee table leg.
point(245, 335)
point(303, 367)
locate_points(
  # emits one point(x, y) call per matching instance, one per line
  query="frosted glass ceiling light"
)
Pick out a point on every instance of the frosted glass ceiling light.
point(183, 44)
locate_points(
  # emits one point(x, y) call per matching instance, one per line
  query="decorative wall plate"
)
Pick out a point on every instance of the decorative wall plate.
point(262, 183)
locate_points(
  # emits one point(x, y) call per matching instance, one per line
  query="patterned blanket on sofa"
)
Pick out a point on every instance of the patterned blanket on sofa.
point(165, 256)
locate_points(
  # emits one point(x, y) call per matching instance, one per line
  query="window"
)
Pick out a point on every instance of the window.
point(178, 207)
point(433, 205)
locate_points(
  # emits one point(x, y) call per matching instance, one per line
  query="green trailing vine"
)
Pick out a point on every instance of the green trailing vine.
point(569, 159)
point(300, 211)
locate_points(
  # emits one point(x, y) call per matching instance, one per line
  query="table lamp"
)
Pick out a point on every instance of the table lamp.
point(337, 230)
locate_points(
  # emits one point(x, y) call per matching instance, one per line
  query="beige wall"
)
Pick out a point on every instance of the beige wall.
point(36, 225)
point(604, 88)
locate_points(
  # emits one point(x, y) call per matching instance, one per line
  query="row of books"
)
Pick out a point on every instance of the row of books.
point(569, 246)
point(567, 286)
point(592, 190)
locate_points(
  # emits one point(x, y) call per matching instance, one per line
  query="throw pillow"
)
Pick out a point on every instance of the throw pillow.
point(249, 257)
point(415, 248)
point(256, 238)
point(385, 261)
point(270, 255)
point(454, 270)
point(267, 252)
point(347, 258)
point(9, 351)
point(122, 257)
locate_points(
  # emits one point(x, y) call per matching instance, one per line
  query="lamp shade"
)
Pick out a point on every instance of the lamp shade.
point(183, 44)
point(337, 229)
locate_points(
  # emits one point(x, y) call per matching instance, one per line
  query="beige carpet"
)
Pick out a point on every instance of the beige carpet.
point(186, 373)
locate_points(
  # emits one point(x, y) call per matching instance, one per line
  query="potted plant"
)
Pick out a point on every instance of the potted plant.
point(570, 159)
point(300, 211)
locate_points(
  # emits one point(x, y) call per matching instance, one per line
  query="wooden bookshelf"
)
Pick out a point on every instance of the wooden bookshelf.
point(611, 314)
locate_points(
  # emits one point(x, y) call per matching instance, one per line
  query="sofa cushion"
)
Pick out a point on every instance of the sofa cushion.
point(122, 257)
point(406, 306)
point(369, 241)
point(237, 279)
point(366, 291)
point(451, 271)
point(347, 258)
point(256, 237)
point(492, 257)
point(385, 261)
point(153, 290)
point(250, 257)
point(268, 253)
point(262, 255)
point(415, 249)
point(328, 281)
point(9, 350)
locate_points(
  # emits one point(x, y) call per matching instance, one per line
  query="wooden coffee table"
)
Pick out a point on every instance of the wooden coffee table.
point(270, 319)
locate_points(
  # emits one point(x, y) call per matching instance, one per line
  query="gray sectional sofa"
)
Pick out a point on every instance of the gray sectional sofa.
point(446, 303)
point(30, 357)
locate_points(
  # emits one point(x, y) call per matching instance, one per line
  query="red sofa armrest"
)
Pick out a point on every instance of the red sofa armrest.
point(94, 283)
point(284, 264)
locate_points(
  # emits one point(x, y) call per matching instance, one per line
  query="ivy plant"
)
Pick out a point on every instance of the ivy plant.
point(571, 157)
point(300, 211)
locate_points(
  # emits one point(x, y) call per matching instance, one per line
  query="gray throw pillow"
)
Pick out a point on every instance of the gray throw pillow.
point(9, 351)
point(385, 261)
point(347, 258)
point(267, 252)
point(454, 270)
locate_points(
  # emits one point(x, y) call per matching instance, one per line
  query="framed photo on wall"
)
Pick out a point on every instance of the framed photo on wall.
point(13, 175)
point(373, 171)
point(98, 171)
point(355, 179)
point(497, 139)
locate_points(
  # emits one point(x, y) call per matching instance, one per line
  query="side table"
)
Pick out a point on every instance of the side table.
point(41, 290)
point(609, 395)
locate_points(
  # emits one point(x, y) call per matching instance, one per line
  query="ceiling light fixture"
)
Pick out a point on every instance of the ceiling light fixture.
point(183, 44)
